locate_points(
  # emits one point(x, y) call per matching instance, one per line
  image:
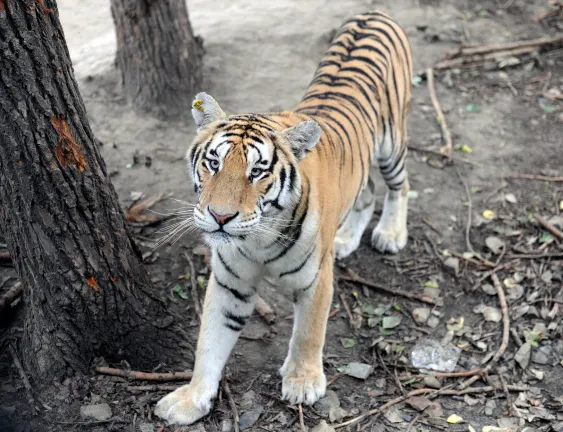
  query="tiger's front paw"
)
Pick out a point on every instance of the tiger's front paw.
point(303, 385)
point(186, 405)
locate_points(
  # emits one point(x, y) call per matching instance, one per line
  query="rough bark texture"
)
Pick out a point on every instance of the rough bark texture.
point(157, 54)
point(86, 291)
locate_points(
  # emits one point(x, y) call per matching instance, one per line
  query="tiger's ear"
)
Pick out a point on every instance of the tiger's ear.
point(206, 110)
point(302, 137)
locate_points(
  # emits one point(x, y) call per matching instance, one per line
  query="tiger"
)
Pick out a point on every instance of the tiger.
point(281, 195)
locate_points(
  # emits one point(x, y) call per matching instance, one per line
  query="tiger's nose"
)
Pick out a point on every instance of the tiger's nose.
point(223, 219)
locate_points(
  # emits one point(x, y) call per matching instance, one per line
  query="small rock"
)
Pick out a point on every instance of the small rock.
point(325, 404)
point(489, 289)
point(509, 197)
point(8, 409)
point(419, 403)
point(433, 322)
point(453, 263)
point(359, 370)
point(97, 412)
point(432, 382)
point(495, 244)
point(247, 400)
point(146, 427)
point(542, 355)
point(226, 425)
point(250, 417)
point(421, 314)
point(393, 415)
point(323, 427)
point(433, 293)
point(490, 406)
point(489, 313)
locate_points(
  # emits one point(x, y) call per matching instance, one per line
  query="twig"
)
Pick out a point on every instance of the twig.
point(506, 394)
point(153, 388)
point(505, 334)
point(301, 420)
point(533, 177)
point(446, 135)
point(413, 422)
point(484, 49)
point(444, 374)
point(445, 392)
point(334, 378)
point(10, 295)
point(347, 308)
point(427, 222)
point(471, 260)
point(490, 272)
point(23, 376)
point(515, 336)
point(549, 226)
point(146, 376)
point(558, 9)
point(265, 311)
point(193, 281)
point(232, 404)
point(469, 211)
point(454, 158)
point(388, 372)
point(535, 256)
point(397, 292)
point(479, 60)
point(547, 300)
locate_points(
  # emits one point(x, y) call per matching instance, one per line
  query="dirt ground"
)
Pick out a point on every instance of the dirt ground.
point(260, 56)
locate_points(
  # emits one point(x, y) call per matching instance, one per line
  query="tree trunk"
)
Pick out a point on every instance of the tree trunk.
point(86, 292)
point(157, 54)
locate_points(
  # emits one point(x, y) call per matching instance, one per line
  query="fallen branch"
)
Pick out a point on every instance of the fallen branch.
point(301, 420)
point(533, 177)
point(471, 260)
point(265, 311)
point(454, 158)
point(550, 227)
point(446, 135)
point(471, 50)
point(232, 404)
point(348, 310)
point(133, 212)
point(10, 295)
point(479, 60)
point(193, 281)
point(469, 212)
point(534, 256)
point(146, 376)
point(153, 388)
point(23, 376)
point(423, 391)
point(553, 12)
point(505, 334)
point(395, 292)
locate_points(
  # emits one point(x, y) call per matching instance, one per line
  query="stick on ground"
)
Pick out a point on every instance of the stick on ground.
point(533, 177)
point(232, 404)
point(394, 292)
point(550, 227)
point(10, 295)
point(146, 376)
point(193, 281)
point(439, 114)
point(505, 334)
point(301, 420)
point(265, 310)
point(23, 376)
point(153, 388)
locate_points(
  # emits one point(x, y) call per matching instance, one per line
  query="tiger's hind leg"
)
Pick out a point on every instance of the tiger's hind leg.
point(349, 234)
point(390, 234)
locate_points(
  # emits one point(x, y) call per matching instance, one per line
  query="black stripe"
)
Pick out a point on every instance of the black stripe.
point(300, 266)
point(232, 327)
point(239, 296)
point(240, 320)
point(227, 266)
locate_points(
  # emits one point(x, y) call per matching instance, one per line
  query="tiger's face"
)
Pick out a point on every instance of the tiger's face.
point(244, 170)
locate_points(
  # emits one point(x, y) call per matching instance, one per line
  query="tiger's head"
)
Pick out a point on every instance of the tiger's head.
point(245, 170)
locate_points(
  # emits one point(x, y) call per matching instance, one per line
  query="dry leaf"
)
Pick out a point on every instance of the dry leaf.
point(489, 214)
point(93, 283)
point(454, 419)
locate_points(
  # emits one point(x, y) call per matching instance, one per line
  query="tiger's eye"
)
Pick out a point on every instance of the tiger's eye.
point(214, 164)
point(255, 172)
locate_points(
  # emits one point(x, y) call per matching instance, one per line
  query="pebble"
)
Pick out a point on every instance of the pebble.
point(250, 417)
point(421, 314)
point(432, 382)
point(542, 355)
point(97, 412)
point(433, 322)
point(146, 427)
point(359, 370)
point(325, 404)
point(226, 425)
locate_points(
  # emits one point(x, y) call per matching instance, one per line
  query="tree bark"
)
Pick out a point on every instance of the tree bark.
point(86, 292)
point(157, 54)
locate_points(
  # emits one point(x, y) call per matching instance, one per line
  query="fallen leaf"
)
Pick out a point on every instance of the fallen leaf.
point(93, 283)
point(546, 237)
point(464, 148)
point(454, 419)
point(489, 214)
point(549, 108)
point(522, 356)
point(419, 403)
point(393, 415)
point(421, 314)
point(489, 313)
point(392, 321)
point(416, 80)
point(348, 342)
point(179, 291)
point(473, 108)
point(495, 244)
point(431, 284)
point(454, 324)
